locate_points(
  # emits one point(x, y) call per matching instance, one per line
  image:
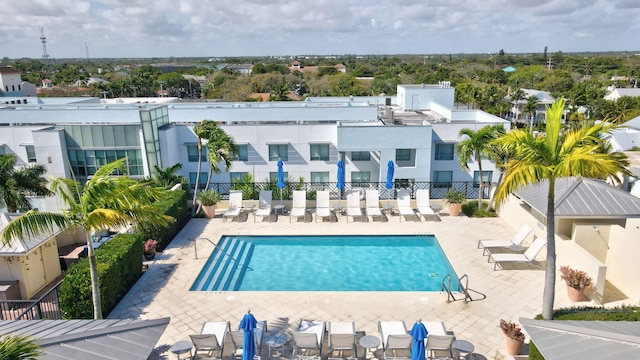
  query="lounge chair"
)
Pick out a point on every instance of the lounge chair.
point(518, 239)
point(439, 347)
point(323, 208)
point(372, 204)
point(235, 206)
point(435, 327)
point(396, 342)
point(423, 205)
point(299, 207)
point(237, 338)
point(527, 257)
point(308, 340)
point(264, 205)
point(211, 339)
point(353, 205)
point(404, 205)
point(342, 337)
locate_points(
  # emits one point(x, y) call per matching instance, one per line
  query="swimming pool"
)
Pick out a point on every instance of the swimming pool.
point(325, 263)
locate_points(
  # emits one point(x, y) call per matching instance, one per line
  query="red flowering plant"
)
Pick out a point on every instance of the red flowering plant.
point(511, 330)
point(149, 246)
point(577, 279)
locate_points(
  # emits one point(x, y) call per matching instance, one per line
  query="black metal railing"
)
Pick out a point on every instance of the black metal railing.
point(45, 307)
point(436, 189)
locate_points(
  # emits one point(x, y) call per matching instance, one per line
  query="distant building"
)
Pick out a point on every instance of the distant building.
point(11, 84)
point(616, 93)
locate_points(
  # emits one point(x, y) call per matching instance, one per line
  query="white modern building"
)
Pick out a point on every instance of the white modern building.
point(12, 89)
point(417, 130)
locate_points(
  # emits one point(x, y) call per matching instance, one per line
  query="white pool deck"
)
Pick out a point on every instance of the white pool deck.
point(163, 291)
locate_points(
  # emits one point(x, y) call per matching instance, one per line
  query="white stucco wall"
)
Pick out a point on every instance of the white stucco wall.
point(623, 266)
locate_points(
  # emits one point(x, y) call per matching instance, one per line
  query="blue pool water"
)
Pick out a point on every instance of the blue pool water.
point(325, 263)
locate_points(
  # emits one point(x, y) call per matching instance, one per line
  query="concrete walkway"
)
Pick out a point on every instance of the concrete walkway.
point(511, 293)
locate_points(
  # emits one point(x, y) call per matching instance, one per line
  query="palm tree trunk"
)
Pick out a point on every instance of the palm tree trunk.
point(492, 201)
point(548, 296)
point(93, 272)
point(481, 181)
point(195, 190)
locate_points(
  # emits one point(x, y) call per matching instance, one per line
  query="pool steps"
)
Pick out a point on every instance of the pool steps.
point(226, 270)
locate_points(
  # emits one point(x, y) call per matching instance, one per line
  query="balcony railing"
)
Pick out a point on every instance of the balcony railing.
point(45, 307)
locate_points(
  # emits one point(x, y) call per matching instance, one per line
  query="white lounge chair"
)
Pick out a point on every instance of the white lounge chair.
point(299, 207)
point(527, 257)
point(396, 342)
point(439, 346)
point(353, 205)
point(404, 204)
point(323, 208)
point(235, 206)
point(237, 338)
point(423, 204)
point(518, 239)
point(264, 205)
point(342, 337)
point(308, 340)
point(211, 339)
point(435, 327)
point(372, 204)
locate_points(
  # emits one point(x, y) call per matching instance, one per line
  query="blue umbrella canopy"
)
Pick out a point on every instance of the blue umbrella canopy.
point(390, 169)
point(280, 184)
point(248, 324)
point(419, 334)
point(340, 184)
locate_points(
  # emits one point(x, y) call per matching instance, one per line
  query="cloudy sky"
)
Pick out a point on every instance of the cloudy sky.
point(220, 28)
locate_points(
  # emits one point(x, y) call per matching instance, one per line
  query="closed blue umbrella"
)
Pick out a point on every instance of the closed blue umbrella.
point(247, 324)
point(390, 169)
point(340, 184)
point(419, 334)
point(280, 184)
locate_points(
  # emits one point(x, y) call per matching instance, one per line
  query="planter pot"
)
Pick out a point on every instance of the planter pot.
point(149, 257)
point(574, 294)
point(454, 209)
point(209, 211)
point(512, 347)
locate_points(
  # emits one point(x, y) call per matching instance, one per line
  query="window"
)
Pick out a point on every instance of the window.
point(238, 176)
point(193, 175)
point(442, 179)
point(2, 150)
point(405, 157)
point(319, 152)
point(273, 176)
point(192, 152)
point(319, 177)
point(486, 177)
point(242, 154)
point(31, 153)
point(360, 156)
point(279, 152)
point(444, 151)
point(360, 178)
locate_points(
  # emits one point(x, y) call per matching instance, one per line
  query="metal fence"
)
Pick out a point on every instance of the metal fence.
point(45, 307)
point(436, 190)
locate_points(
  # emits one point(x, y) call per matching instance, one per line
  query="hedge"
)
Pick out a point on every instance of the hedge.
point(174, 205)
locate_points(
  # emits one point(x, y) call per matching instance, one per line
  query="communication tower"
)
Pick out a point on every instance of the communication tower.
point(43, 40)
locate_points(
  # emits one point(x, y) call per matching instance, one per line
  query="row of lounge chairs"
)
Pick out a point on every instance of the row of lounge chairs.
point(528, 257)
point(308, 340)
point(324, 210)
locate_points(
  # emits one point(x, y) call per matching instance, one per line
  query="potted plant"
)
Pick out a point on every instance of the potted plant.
point(513, 337)
point(576, 280)
point(208, 199)
point(149, 249)
point(454, 198)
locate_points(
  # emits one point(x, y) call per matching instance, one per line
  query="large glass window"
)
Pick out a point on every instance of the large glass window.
point(87, 162)
point(444, 151)
point(360, 156)
point(31, 153)
point(242, 154)
point(486, 177)
point(238, 176)
point(360, 178)
point(194, 175)
point(442, 179)
point(279, 152)
point(273, 176)
point(319, 152)
point(319, 177)
point(406, 157)
point(192, 153)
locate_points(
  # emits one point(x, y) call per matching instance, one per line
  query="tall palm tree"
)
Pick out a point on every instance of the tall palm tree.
point(552, 155)
point(16, 184)
point(18, 347)
point(105, 201)
point(474, 147)
point(530, 108)
point(516, 96)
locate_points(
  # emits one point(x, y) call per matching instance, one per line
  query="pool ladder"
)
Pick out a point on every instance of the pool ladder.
point(464, 289)
point(235, 261)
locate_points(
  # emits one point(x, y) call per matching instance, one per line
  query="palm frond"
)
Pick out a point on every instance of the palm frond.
point(34, 223)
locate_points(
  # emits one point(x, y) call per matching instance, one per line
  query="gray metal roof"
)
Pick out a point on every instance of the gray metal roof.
point(20, 246)
point(577, 197)
point(127, 339)
point(571, 339)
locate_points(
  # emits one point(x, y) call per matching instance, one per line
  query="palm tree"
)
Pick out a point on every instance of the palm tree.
point(105, 201)
point(552, 155)
point(18, 347)
point(16, 184)
point(169, 177)
point(475, 146)
point(530, 108)
point(516, 96)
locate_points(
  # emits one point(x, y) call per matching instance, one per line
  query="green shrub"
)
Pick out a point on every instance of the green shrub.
point(470, 207)
point(174, 205)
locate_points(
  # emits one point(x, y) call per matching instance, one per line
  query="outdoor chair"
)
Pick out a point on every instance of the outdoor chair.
point(518, 239)
point(528, 256)
point(404, 205)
